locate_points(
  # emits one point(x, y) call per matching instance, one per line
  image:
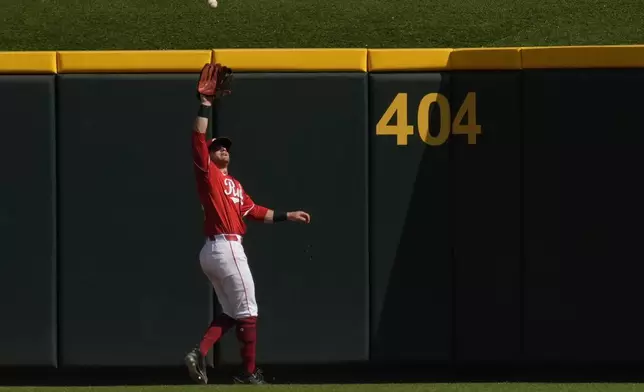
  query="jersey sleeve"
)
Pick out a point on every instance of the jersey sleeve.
point(201, 158)
point(251, 210)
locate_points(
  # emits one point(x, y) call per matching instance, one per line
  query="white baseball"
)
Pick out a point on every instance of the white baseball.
point(213, 3)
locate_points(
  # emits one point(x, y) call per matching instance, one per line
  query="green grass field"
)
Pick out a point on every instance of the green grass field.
point(171, 24)
point(166, 24)
point(459, 387)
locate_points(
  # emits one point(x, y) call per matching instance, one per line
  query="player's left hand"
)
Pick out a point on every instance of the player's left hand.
point(298, 216)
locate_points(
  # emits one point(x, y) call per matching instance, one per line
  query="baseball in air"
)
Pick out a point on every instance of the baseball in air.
point(212, 3)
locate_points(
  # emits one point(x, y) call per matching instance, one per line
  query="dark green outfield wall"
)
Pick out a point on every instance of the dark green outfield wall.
point(522, 246)
point(28, 204)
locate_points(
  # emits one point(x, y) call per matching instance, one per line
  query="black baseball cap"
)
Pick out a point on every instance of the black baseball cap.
point(220, 141)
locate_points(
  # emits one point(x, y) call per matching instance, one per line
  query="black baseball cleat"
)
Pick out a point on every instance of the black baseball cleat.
point(196, 364)
point(256, 378)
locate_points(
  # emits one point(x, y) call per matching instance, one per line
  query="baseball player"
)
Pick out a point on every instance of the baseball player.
point(222, 258)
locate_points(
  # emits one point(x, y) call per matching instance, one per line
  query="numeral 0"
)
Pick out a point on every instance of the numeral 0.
point(402, 130)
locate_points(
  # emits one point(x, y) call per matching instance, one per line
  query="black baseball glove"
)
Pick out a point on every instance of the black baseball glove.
point(224, 81)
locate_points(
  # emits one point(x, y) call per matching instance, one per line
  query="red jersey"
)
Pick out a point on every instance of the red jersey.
point(222, 197)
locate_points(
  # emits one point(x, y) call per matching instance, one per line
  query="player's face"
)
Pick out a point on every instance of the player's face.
point(220, 156)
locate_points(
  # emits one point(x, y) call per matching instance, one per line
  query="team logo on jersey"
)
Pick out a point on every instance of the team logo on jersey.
point(233, 191)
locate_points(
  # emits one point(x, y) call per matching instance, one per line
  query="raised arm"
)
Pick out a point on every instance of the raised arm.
point(213, 82)
point(200, 155)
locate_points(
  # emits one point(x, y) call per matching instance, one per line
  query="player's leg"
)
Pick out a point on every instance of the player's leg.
point(221, 323)
point(246, 332)
point(211, 260)
point(196, 358)
point(241, 287)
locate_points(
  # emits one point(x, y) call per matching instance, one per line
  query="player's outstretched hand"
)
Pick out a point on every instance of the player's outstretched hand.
point(298, 216)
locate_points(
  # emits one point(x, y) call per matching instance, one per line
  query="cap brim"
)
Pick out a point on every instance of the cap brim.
point(221, 141)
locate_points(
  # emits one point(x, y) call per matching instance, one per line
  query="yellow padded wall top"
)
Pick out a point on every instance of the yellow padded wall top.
point(28, 62)
point(144, 61)
point(267, 60)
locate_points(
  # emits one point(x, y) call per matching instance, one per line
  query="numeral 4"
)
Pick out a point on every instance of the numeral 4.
point(400, 129)
point(471, 129)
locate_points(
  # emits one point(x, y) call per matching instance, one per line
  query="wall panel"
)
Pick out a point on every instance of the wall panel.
point(132, 292)
point(27, 221)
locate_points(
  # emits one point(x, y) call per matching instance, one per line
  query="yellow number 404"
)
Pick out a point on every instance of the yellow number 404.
point(402, 130)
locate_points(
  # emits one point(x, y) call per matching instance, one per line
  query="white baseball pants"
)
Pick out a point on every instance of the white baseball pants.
point(225, 264)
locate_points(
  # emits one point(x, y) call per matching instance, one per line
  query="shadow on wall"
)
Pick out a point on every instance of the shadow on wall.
point(446, 222)
point(409, 242)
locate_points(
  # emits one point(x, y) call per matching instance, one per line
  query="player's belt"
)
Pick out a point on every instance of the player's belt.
point(229, 237)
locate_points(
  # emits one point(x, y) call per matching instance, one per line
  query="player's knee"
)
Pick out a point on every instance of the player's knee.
point(246, 322)
point(226, 319)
